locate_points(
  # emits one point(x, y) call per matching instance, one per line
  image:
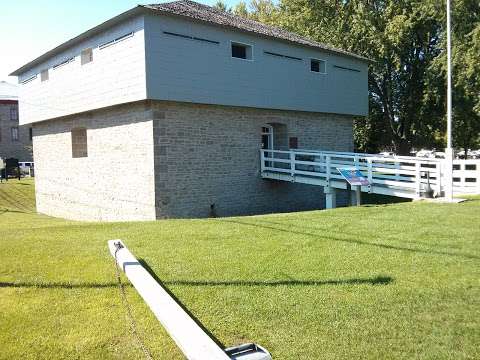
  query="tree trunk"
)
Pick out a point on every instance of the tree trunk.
point(402, 146)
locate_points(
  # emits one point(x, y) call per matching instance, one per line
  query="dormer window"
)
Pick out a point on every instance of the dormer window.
point(242, 51)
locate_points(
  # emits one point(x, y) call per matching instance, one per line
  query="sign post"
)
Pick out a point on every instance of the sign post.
point(356, 179)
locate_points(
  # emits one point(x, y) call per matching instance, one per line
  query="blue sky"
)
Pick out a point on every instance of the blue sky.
point(28, 28)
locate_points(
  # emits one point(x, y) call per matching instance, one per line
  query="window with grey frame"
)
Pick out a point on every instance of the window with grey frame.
point(14, 133)
point(79, 143)
point(13, 113)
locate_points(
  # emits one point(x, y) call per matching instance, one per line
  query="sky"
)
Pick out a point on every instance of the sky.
point(29, 28)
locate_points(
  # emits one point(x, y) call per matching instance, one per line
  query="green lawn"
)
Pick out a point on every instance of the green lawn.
point(396, 281)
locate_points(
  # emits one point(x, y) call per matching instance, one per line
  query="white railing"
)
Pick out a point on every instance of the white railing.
point(403, 176)
point(466, 176)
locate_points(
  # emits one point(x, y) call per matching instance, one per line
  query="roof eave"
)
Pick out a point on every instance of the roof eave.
point(95, 30)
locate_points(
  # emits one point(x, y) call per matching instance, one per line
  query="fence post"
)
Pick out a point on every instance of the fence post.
point(262, 160)
point(418, 179)
point(370, 175)
point(292, 163)
point(477, 178)
point(438, 169)
point(328, 169)
point(397, 175)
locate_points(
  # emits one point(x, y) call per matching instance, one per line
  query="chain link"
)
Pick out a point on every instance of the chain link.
point(133, 324)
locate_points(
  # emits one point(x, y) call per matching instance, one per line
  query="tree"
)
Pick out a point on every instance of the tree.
point(220, 5)
point(241, 9)
point(466, 73)
point(401, 37)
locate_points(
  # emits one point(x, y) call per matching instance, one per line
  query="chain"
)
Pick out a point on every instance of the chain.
point(123, 295)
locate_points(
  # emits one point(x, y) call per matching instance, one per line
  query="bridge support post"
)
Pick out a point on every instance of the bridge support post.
point(356, 196)
point(330, 197)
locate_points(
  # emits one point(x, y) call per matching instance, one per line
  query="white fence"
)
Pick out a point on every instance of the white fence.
point(466, 176)
point(404, 176)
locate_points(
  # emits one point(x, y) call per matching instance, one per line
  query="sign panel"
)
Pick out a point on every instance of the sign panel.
point(353, 176)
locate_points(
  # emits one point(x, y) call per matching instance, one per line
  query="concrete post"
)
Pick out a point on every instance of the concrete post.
point(330, 197)
point(356, 196)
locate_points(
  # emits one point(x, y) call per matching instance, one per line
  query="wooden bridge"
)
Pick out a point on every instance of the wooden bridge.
point(402, 176)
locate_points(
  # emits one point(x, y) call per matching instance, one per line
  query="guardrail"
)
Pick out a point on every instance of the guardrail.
point(404, 176)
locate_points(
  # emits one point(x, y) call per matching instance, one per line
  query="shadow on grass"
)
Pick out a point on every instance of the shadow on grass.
point(58, 285)
point(351, 241)
point(197, 321)
point(379, 280)
point(4, 211)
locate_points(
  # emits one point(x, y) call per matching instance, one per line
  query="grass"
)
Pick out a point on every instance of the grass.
point(397, 281)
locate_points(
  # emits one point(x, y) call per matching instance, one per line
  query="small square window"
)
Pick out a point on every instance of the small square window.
point(293, 143)
point(241, 51)
point(44, 75)
point(14, 132)
point(79, 143)
point(14, 113)
point(318, 66)
point(86, 56)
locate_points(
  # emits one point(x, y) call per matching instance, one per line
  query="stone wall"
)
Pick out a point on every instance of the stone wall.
point(19, 149)
point(115, 182)
point(209, 155)
point(155, 159)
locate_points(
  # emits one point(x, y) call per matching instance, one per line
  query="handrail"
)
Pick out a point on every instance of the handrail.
point(414, 175)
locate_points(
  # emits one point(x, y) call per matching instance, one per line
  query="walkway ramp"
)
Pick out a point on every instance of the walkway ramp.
point(402, 176)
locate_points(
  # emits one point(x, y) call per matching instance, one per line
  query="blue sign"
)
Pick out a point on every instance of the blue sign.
point(353, 176)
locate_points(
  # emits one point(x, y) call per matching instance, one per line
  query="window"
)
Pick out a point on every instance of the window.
point(318, 66)
point(267, 137)
point(14, 132)
point(86, 56)
point(44, 75)
point(242, 51)
point(293, 143)
point(14, 113)
point(79, 143)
